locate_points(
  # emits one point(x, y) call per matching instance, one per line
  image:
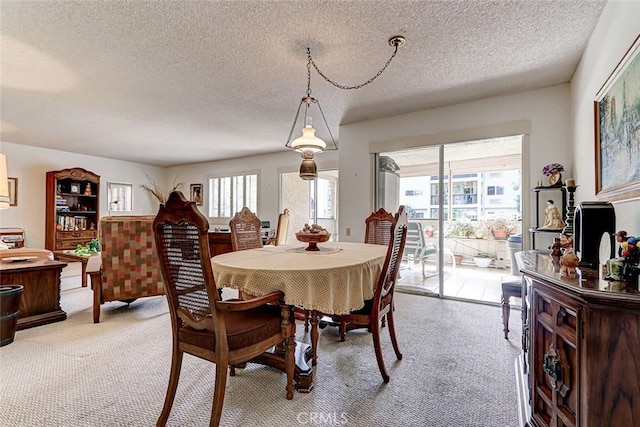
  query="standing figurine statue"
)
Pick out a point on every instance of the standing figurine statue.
point(552, 217)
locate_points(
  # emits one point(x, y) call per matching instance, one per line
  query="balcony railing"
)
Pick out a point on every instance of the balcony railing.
point(459, 199)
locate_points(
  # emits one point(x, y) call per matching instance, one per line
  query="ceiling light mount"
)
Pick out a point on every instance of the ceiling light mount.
point(308, 144)
point(397, 41)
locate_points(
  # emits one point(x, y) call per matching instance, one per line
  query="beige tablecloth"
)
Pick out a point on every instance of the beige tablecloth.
point(333, 283)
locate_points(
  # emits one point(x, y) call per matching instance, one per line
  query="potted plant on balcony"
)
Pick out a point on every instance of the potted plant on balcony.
point(500, 226)
point(483, 259)
point(461, 227)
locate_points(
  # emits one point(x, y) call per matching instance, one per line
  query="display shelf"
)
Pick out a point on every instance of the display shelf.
point(537, 229)
point(72, 208)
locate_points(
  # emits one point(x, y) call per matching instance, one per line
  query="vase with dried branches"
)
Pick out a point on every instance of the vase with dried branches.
point(157, 191)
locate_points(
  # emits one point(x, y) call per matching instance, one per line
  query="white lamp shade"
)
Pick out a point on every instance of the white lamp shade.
point(4, 183)
point(308, 142)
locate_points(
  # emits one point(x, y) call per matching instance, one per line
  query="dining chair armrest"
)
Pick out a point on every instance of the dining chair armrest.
point(239, 305)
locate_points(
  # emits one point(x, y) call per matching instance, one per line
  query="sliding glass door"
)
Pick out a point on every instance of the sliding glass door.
point(448, 191)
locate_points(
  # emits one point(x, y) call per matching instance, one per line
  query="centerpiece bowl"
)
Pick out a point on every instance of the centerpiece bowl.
point(313, 239)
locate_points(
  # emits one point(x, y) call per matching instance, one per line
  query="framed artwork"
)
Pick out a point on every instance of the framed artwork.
point(617, 130)
point(120, 196)
point(74, 188)
point(13, 191)
point(196, 194)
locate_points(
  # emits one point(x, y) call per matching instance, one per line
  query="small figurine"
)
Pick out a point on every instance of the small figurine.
point(87, 190)
point(613, 266)
point(627, 265)
point(556, 247)
point(552, 217)
point(569, 262)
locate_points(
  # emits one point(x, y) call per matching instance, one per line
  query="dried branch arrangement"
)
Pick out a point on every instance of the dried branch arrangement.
point(157, 191)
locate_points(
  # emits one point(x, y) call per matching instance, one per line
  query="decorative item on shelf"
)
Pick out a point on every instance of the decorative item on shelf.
point(313, 234)
point(309, 144)
point(569, 262)
point(74, 188)
point(553, 171)
point(626, 266)
point(552, 217)
point(571, 188)
point(87, 190)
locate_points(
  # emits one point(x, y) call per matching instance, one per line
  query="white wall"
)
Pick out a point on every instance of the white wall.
point(618, 27)
point(268, 167)
point(544, 112)
point(30, 165)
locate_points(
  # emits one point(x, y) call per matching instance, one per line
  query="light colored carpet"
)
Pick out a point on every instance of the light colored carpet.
point(457, 370)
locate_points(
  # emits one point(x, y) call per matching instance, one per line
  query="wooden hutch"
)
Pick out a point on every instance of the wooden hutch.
point(580, 364)
point(72, 208)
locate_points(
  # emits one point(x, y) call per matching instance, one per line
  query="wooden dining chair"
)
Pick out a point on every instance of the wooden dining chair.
point(382, 305)
point(377, 232)
point(378, 227)
point(245, 230)
point(283, 228)
point(226, 333)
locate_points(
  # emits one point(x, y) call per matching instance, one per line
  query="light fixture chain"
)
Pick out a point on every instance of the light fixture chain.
point(309, 72)
point(338, 85)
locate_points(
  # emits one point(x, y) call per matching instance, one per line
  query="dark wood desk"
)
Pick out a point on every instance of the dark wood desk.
point(40, 302)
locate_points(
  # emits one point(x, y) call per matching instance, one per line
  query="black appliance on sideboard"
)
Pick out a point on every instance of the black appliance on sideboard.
point(590, 221)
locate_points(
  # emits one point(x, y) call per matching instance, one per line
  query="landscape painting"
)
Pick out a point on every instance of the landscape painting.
point(618, 131)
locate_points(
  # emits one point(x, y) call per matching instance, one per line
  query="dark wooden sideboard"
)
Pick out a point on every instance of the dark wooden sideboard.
point(40, 301)
point(581, 348)
point(219, 242)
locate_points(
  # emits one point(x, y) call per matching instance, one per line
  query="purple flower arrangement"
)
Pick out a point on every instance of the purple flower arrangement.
point(552, 168)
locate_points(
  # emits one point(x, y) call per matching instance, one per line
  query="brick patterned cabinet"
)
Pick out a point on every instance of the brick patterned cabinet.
point(72, 208)
point(584, 354)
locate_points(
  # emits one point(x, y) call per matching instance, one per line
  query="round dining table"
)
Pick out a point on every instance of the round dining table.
point(337, 279)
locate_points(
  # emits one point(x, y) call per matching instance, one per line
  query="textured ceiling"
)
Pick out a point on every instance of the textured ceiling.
point(175, 82)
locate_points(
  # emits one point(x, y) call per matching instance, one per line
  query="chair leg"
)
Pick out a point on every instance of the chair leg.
point(392, 333)
point(343, 329)
point(218, 394)
point(375, 329)
point(174, 376)
point(290, 364)
point(506, 312)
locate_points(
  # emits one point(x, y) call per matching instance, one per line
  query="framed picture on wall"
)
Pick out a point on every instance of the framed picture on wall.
point(617, 130)
point(196, 194)
point(13, 191)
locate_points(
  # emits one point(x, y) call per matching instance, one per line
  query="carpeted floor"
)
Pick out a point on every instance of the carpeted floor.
point(457, 370)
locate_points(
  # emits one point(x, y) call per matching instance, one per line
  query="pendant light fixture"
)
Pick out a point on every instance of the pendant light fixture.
point(309, 144)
